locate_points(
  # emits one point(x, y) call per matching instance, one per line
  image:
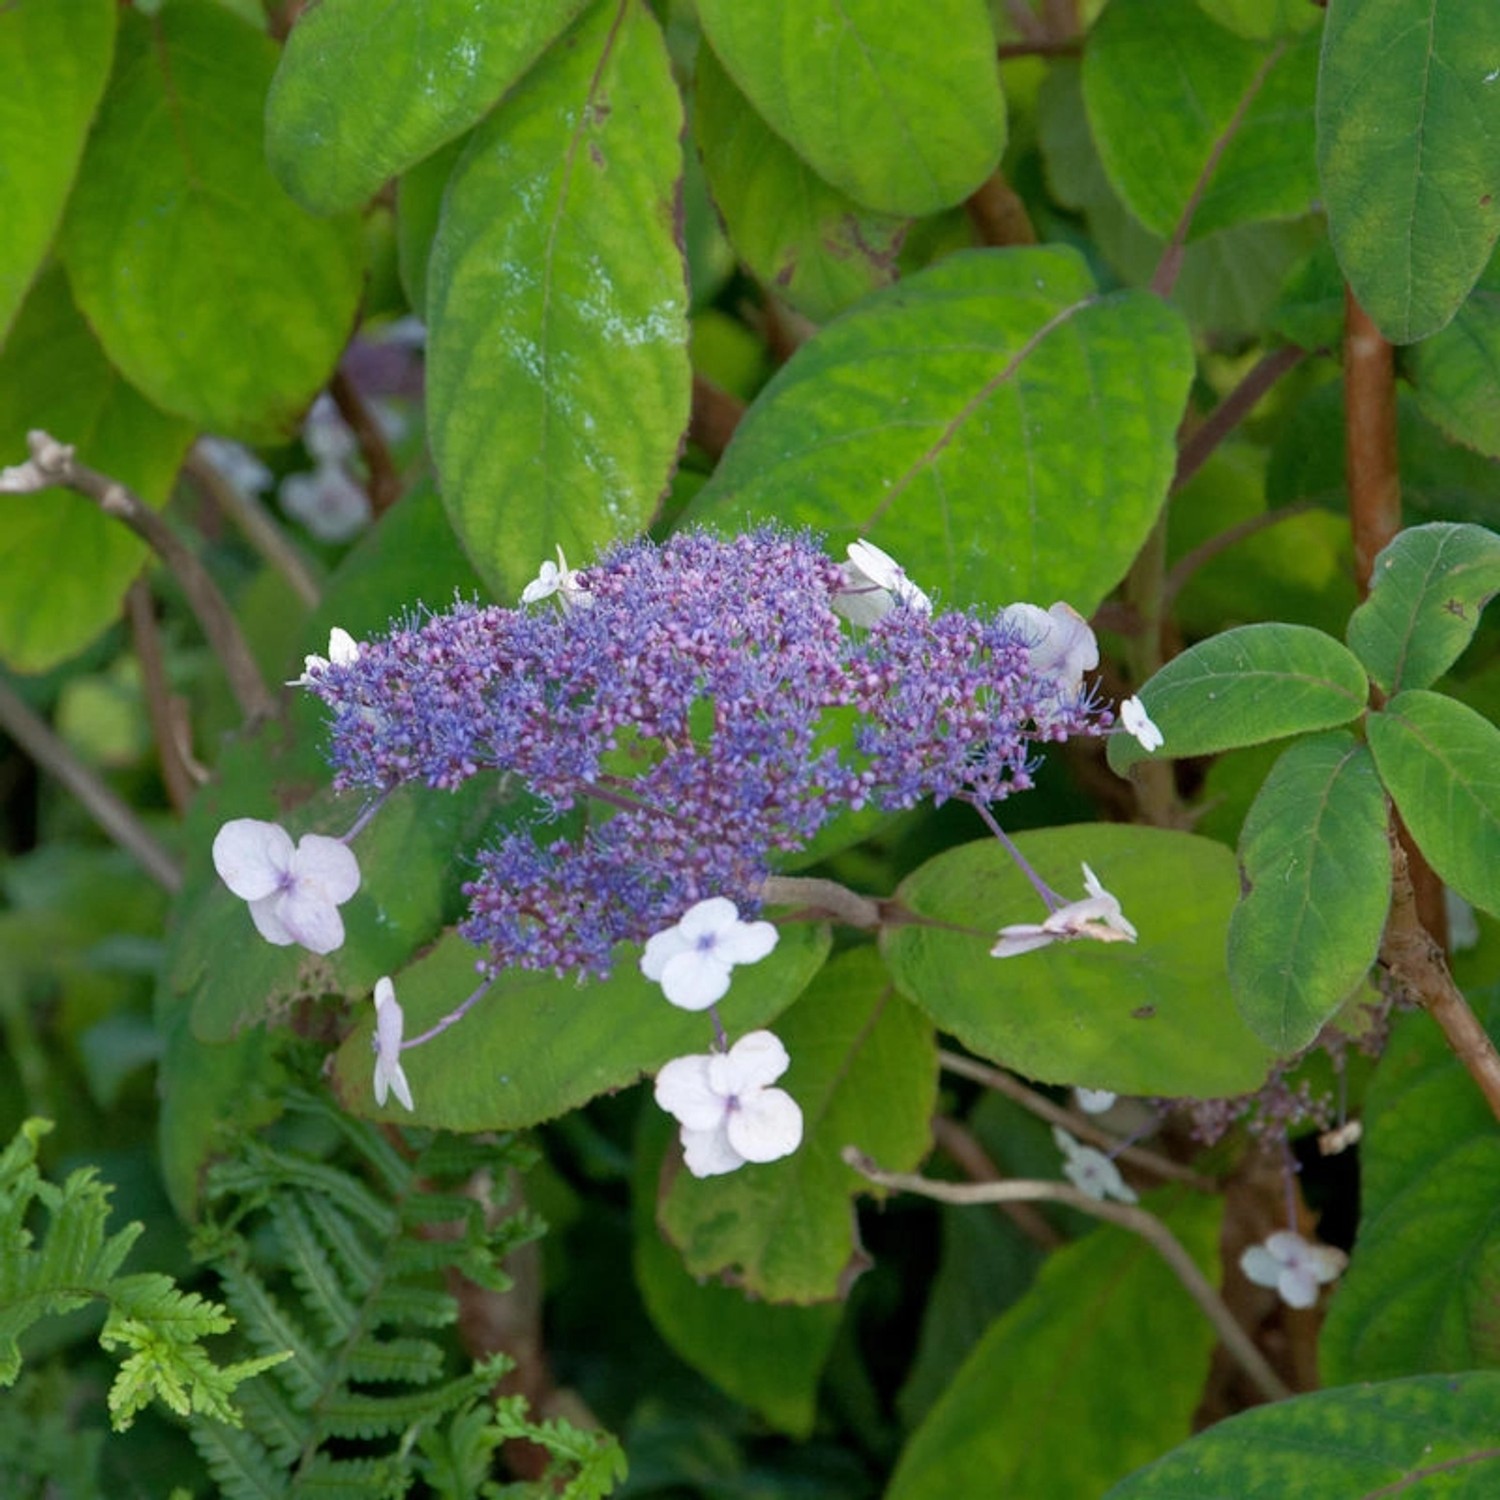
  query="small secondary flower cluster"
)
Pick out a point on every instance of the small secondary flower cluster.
point(681, 721)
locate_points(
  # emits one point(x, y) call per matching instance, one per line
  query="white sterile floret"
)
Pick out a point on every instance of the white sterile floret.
point(1137, 722)
point(556, 578)
point(343, 650)
point(1098, 916)
point(1091, 1171)
point(294, 890)
point(692, 961)
point(873, 583)
point(390, 1077)
point(728, 1113)
point(1059, 641)
point(1294, 1267)
point(1094, 1101)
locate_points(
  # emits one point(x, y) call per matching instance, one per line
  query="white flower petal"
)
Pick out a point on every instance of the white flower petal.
point(389, 1020)
point(766, 1127)
point(708, 1153)
point(343, 649)
point(546, 583)
point(1094, 1101)
point(684, 1092)
point(660, 947)
point(328, 864)
point(746, 942)
point(266, 914)
point(1297, 1286)
point(708, 918)
point(757, 1059)
point(1260, 1266)
point(1021, 937)
point(1138, 722)
point(313, 920)
point(694, 979)
point(252, 857)
point(878, 567)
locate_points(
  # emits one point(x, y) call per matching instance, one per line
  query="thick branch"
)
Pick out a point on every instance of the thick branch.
point(715, 415)
point(996, 211)
point(34, 736)
point(1369, 439)
point(53, 462)
point(1151, 1229)
point(824, 896)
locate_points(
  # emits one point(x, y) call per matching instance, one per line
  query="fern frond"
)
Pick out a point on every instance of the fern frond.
point(239, 1463)
point(597, 1460)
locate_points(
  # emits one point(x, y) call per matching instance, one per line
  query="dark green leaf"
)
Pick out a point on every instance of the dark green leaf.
point(1440, 762)
point(807, 241)
point(363, 92)
point(994, 424)
point(558, 371)
point(1012, 1423)
point(864, 1070)
point(1427, 591)
point(1433, 1436)
point(768, 1356)
point(1183, 109)
point(54, 56)
point(1152, 1017)
point(865, 98)
point(1316, 869)
point(1413, 1302)
point(1262, 20)
point(54, 376)
point(536, 1046)
point(1456, 372)
point(1408, 132)
point(218, 296)
point(1246, 686)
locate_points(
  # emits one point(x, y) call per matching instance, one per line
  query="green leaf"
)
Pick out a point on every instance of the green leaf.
point(1076, 1343)
point(536, 1046)
point(1247, 686)
point(1408, 131)
point(864, 1070)
point(1456, 372)
point(217, 296)
point(1440, 762)
point(1426, 1437)
point(78, 561)
point(419, 204)
point(54, 56)
point(992, 422)
point(1153, 1017)
point(1430, 1158)
point(864, 97)
point(1183, 110)
point(768, 1356)
point(1316, 869)
point(363, 93)
point(1427, 591)
point(1262, 20)
point(807, 241)
point(558, 373)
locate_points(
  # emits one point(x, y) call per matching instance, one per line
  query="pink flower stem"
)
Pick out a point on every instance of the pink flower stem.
point(369, 811)
point(721, 1037)
point(1045, 891)
point(450, 1019)
point(1291, 1169)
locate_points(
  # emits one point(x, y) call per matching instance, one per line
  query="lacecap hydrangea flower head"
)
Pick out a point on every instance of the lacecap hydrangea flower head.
point(681, 715)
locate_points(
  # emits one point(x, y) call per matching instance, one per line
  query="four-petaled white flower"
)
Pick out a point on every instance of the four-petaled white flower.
point(692, 960)
point(390, 1077)
point(294, 890)
point(556, 578)
point(873, 583)
point(1060, 643)
point(343, 649)
point(1293, 1266)
point(1098, 917)
point(1137, 722)
point(1094, 1101)
point(1091, 1171)
point(728, 1113)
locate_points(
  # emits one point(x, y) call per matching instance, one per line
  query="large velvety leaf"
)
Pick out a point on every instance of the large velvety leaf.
point(1154, 1017)
point(768, 1356)
point(1441, 763)
point(54, 56)
point(805, 239)
point(365, 91)
point(1408, 134)
point(558, 371)
point(1427, 1437)
point(1456, 372)
point(212, 290)
point(865, 96)
point(1317, 875)
point(1181, 107)
point(1247, 686)
point(992, 422)
point(536, 1046)
point(1413, 1302)
point(1427, 591)
point(1262, 19)
point(1075, 1345)
point(76, 561)
point(864, 1070)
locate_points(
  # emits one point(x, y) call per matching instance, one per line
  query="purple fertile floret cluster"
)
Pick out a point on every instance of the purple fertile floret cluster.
point(692, 713)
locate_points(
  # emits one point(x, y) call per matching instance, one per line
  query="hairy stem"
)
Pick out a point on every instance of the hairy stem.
point(1236, 1341)
point(824, 896)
